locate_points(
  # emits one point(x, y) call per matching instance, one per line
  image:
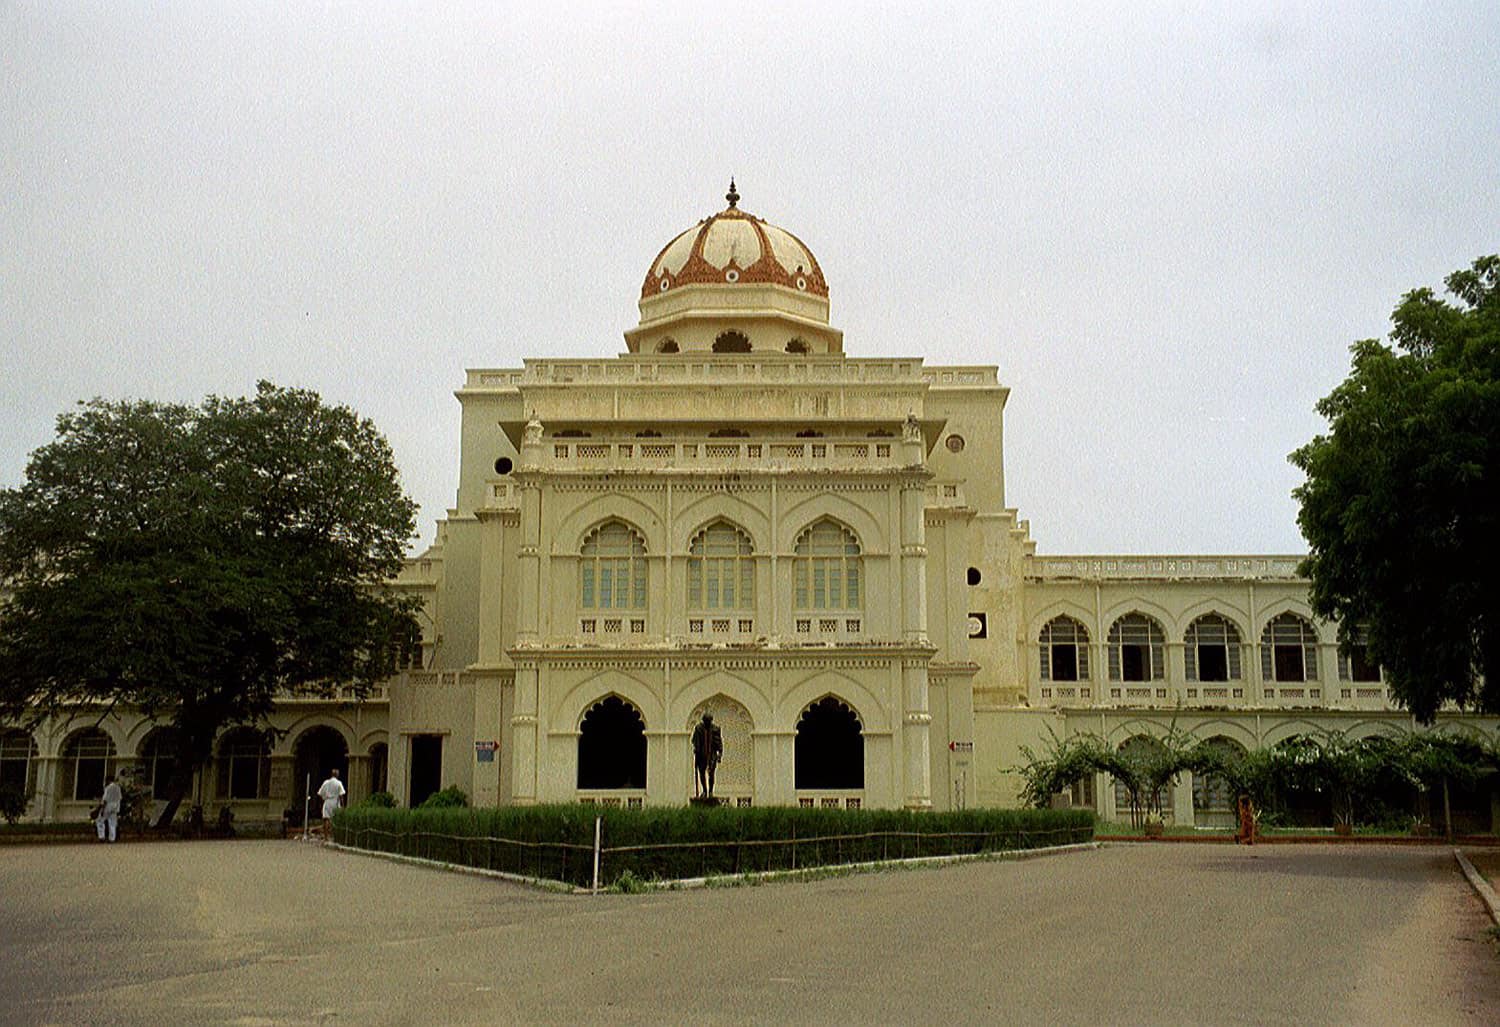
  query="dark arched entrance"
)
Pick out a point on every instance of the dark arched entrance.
point(612, 746)
point(830, 747)
point(319, 750)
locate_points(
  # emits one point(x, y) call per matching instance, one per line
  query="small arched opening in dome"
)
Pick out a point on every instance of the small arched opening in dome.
point(728, 433)
point(797, 346)
point(809, 433)
point(732, 342)
point(667, 346)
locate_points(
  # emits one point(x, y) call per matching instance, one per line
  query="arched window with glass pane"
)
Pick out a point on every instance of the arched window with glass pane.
point(244, 765)
point(826, 569)
point(18, 754)
point(1137, 649)
point(1289, 649)
point(721, 569)
point(1211, 649)
point(88, 759)
point(1064, 647)
point(612, 575)
point(158, 760)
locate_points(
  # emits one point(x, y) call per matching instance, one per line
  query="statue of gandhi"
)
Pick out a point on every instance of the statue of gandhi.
point(708, 750)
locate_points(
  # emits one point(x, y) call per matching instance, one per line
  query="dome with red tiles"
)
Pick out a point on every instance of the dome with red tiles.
point(735, 248)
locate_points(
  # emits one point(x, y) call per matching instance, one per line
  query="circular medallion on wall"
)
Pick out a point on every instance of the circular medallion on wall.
point(666, 283)
point(731, 275)
point(802, 284)
point(955, 443)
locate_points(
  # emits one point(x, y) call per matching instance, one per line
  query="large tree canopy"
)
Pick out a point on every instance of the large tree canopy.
point(195, 561)
point(1401, 506)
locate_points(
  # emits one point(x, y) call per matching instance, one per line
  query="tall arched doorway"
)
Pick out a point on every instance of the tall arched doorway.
point(318, 751)
point(612, 746)
point(735, 778)
point(830, 751)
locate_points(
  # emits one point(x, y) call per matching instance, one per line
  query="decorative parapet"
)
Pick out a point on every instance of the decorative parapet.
point(951, 377)
point(377, 694)
point(1163, 568)
point(946, 493)
point(722, 369)
point(729, 454)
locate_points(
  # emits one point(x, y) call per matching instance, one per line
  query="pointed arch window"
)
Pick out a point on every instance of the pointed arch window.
point(1289, 649)
point(721, 569)
point(244, 765)
point(612, 575)
point(1137, 649)
point(826, 569)
point(88, 759)
point(18, 754)
point(1064, 646)
point(1211, 649)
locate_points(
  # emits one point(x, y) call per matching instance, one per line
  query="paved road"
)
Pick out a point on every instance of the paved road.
point(282, 932)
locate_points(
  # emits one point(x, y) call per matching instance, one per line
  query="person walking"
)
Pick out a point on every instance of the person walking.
point(332, 793)
point(108, 821)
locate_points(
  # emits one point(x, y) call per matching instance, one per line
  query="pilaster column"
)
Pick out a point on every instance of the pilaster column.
point(528, 610)
point(524, 725)
point(916, 735)
point(913, 561)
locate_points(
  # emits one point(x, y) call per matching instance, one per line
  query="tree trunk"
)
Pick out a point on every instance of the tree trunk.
point(1447, 812)
point(177, 790)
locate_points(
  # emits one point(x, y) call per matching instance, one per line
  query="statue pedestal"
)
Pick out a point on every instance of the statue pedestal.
point(705, 801)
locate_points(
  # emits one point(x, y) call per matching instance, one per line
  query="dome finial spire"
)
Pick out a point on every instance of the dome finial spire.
point(732, 196)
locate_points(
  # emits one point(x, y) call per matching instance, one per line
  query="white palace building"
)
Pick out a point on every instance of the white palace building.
point(736, 516)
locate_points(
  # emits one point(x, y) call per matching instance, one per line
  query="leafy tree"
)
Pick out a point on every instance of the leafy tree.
point(1401, 506)
point(194, 562)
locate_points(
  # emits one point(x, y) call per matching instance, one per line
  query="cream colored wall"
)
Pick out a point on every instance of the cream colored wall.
point(1248, 602)
point(773, 688)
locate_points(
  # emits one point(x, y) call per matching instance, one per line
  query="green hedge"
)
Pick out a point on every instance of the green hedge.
point(557, 842)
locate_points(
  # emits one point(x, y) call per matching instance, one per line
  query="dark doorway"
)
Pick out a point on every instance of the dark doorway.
point(612, 746)
point(379, 762)
point(426, 768)
point(1213, 663)
point(830, 749)
point(1064, 662)
point(1133, 662)
point(319, 750)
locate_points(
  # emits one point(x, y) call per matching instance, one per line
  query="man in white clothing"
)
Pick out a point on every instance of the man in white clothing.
point(108, 823)
point(332, 793)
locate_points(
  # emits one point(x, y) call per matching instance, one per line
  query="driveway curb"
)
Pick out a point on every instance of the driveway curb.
point(1481, 886)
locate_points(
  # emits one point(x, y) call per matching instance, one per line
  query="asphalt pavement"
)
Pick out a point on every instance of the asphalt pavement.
point(270, 932)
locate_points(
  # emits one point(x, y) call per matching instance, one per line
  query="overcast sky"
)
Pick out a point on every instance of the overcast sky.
point(1164, 223)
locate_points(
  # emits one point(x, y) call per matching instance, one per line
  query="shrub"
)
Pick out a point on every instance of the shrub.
point(666, 843)
point(452, 797)
point(383, 800)
point(13, 802)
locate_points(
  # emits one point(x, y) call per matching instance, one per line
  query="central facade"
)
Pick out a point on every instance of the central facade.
point(730, 517)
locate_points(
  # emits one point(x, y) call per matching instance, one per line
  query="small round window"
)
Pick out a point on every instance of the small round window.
point(955, 443)
point(731, 275)
point(974, 576)
point(503, 465)
point(666, 283)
